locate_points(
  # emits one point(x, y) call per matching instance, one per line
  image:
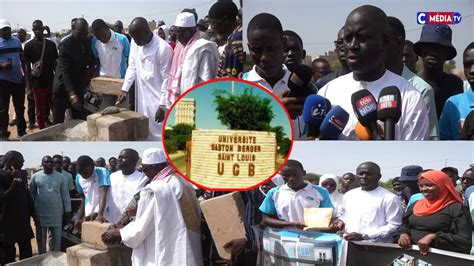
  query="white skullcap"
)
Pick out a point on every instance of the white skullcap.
point(329, 176)
point(4, 23)
point(153, 156)
point(185, 20)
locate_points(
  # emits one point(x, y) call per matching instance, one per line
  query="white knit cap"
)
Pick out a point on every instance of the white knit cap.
point(185, 20)
point(153, 156)
point(4, 23)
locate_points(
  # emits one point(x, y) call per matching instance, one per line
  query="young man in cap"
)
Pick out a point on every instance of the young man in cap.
point(149, 65)
point(370, 213)
point(457, 107)
point(365, 41)
point(394, 63)
point(222, 18)
point(266, 45)
point(112, 50)
point(124, 184)
point(50, 194)
point(166, 229)
point(435, 48)
point(195, 60)
point(11, 80)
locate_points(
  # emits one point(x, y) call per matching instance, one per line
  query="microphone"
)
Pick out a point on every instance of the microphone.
point(314, 110)
point(299, 82)
point(363, 133)
point(333, 124)
point(365, 109)
point(389, 110)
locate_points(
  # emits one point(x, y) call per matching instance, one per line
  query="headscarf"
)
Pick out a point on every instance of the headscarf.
point(447, 194)
point(335, 196)
point(329, 176)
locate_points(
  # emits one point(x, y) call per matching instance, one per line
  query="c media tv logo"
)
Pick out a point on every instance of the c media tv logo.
point(423, 18)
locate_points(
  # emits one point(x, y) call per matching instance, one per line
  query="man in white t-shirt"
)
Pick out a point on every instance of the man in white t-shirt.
point(124, 184)
point(366, 40)
point(93, 184)
point(370, 212)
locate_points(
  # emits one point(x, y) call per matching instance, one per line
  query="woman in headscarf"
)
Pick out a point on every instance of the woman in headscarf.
point(331, 182)
point(439, 220)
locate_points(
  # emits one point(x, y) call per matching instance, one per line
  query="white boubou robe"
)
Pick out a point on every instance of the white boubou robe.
point(159, 235)
point(149, 67)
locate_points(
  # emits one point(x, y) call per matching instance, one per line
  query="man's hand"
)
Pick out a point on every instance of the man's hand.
point(298, 225)
point(111, 236)
point(122, 97)
point(131, 212)
point(36, 220)
point(100, 218)
point(336, 225)
point(7, 65)
point(75, 102)
point(78, 225)
point(237, 247)
point(294, 105)
point(160, 114)
point(353, 237)
point(425, 242)
point(405, 241)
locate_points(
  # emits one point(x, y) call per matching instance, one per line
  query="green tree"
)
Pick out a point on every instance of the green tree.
point(282, 141)
point(176, 138)
point(243, 112)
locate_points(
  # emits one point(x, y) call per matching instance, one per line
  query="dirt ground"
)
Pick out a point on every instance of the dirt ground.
point(12, 129)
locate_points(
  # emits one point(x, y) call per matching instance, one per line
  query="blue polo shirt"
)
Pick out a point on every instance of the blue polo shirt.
point(11, 48)
point(454, 113)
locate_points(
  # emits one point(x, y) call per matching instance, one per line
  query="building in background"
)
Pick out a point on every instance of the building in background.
point(186, 112)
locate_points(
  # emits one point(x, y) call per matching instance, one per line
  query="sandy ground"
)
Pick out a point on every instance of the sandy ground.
point(34, 246)
point(12, 129)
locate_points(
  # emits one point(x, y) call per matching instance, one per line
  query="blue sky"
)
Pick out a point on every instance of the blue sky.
point(33, 152)
point(339, 157)
point(206, 116)
point(318, 21)
point(58, 13)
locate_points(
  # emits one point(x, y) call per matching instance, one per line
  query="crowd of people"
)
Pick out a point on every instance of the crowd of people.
point(373, 53)
point(155, 212)
point(157, 67)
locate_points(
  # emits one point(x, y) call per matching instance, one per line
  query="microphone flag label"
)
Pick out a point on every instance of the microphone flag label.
point(366, 105)
point(387, 101)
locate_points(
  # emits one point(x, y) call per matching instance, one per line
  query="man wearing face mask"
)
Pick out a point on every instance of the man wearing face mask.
point(72, 73)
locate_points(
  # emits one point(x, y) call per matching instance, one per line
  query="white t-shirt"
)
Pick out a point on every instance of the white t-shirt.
point(278, 88)
point(121, 191)
point(90, 188)
point(377, 213)
point(112, 55)
point(414, 122)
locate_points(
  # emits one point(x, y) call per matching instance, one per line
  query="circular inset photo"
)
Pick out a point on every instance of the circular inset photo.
point(227, 134)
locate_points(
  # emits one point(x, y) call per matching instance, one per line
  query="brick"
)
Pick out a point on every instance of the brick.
point(225, 218)
point(105, 85)
point(82, 255)
point(122, 126)
point(92, 235)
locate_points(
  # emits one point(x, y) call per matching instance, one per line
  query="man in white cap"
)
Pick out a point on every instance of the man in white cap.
point(168, 219)
point(195, 60)
point(11, 80)
point(148, 66)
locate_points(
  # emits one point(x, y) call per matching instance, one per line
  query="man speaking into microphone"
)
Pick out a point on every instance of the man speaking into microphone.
point(366, 41)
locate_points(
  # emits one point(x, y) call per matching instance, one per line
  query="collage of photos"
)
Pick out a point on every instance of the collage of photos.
point(232, 132)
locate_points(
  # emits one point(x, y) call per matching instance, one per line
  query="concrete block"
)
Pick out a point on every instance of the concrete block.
point(105, 85)
point(122, 126)
point(82, 255)
point(225, 217)
point(52, 258)
point(71, 130)
point(92, 235)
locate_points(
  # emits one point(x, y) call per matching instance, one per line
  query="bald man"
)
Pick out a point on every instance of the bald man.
point(370, 213)
point(149, 66)
point(365, 42)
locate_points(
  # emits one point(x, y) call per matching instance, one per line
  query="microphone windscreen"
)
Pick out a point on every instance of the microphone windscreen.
point(299, 81)
point(334, 123)
point(390, 104)
point(365, 107)
point(315, 109)
point(364, 133)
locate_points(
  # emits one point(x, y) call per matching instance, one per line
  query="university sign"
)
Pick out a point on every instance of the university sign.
point(231, 159)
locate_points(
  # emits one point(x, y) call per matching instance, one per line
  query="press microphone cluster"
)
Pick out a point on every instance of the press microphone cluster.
point(299, 82)
point(368, 111)
point(323, 121)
